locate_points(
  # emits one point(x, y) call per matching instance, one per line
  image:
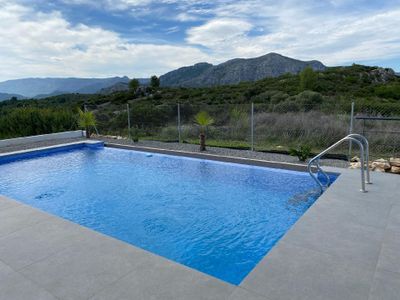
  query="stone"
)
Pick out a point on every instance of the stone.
point(380, 165)
point(395, 170)
point(355, 159)
point(355, 165)
point(394, 161)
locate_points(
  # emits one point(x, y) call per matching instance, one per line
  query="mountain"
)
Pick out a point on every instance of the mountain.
point(121, 87)
point(6, 96)
point(43, 87)
point(118, 87)
point(237, 70)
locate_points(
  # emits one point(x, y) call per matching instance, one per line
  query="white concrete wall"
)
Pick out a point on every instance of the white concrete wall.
point(43, 137)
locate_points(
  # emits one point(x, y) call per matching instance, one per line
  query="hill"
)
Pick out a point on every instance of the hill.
point(6, 96)
point(236, 71)
point(45, 87)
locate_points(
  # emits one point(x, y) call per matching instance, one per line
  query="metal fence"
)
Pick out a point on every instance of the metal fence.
point(381, 127)
point(254, 126)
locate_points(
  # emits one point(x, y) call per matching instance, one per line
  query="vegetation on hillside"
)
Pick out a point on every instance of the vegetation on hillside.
point(289, 103)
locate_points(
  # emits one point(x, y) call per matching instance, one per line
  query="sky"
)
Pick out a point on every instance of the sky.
point(140, 38)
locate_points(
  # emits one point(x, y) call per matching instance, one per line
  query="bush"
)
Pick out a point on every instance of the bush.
point(169, 133)
point(309, 99)
point(287, 106)
point(134, 134)
point(303, 152)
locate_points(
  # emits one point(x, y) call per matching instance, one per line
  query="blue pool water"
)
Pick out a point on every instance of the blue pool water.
point(218, 218)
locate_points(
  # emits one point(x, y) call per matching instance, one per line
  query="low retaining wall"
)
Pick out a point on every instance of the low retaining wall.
point(43, 137)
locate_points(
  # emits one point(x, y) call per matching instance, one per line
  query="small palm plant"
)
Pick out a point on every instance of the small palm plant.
point(203, 119)
point(86, 121)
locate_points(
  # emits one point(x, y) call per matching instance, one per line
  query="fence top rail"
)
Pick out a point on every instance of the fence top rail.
point(378, 118)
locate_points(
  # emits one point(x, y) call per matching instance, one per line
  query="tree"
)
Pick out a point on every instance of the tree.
point(86, 120)
point(308, 79)
point(154, 81)
point(134, 85)
point(203, 119)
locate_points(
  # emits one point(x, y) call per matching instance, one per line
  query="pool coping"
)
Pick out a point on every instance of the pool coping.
point(341, 248)
point(57, 146)
point(216, 157)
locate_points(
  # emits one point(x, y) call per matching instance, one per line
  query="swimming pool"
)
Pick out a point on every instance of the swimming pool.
point(219, 218)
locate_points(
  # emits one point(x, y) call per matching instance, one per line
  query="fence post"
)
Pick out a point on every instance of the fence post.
point(129, 121)
point(179, 123)
point(252, 126)
point(351, 128)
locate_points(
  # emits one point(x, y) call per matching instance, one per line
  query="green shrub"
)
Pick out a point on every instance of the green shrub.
point(135, 134)
point(287, 106)
point(303, 152)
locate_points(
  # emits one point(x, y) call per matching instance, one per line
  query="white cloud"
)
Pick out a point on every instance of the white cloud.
point(45, 44)
point(35, 43)
point(218, 33)
point(302, 31)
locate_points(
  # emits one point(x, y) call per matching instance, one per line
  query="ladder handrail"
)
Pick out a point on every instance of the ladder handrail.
point(351, 137)
point(366, 148)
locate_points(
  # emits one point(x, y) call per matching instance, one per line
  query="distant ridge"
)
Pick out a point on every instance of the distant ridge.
point(6, 96)
point(44, 87)
point(237, 70)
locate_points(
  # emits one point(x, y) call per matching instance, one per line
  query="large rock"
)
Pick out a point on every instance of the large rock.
point(395, 170)
point(380, 165)
point(355, 165)
point(394, 161)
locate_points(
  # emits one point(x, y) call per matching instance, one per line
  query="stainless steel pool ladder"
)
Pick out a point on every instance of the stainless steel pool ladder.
point(362, 142)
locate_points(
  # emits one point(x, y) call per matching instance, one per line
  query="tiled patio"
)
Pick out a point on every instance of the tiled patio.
point(346, 246)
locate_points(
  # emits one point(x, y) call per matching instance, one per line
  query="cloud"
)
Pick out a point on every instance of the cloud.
point(43, 40)
point(218, 33)
point(309, 31)
point(45, 44)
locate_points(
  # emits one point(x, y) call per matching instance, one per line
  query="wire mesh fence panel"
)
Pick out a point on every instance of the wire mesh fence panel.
point(224, 125)
point(280, 128)
point(269, 126)
point(381, 126)
point(111, 119)
point(154, 122)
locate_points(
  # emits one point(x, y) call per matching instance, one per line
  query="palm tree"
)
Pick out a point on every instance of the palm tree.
point(203, 119)
point(86, 121)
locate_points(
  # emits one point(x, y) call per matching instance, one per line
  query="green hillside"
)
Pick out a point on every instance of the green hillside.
point(153, 111)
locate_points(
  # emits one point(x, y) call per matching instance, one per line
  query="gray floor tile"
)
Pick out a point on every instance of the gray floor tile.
point(291, 272)
point(19, 217)
point(7, 203)
point(389, 258)
point(5, 270)
point(357, 211)
point(33, 243)
point(349, 188)
point(79, 271)
point(327, 233)
point(394, 217)
point(242, 294)
point(162, 279)
point(386, 286)
point(13, 286)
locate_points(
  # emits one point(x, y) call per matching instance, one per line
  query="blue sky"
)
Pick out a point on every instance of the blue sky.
point(139, 38)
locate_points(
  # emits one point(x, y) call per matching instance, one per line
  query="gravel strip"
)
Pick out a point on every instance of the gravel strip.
point(181, 147)
point(224, 152)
